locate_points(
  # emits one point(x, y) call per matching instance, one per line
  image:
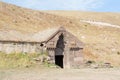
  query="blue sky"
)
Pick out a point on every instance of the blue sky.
point(85, 5)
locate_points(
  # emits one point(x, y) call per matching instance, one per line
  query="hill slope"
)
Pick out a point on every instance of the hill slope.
point(109, 17)
point(102, 43)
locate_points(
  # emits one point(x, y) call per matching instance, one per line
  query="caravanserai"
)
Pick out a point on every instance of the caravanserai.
point(64, 49)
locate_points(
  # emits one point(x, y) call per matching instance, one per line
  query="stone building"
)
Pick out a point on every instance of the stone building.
point(64, 49)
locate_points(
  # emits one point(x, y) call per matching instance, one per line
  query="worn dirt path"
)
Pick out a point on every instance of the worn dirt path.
point(60, 74)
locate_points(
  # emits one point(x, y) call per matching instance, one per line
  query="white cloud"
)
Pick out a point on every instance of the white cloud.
point(60, 4)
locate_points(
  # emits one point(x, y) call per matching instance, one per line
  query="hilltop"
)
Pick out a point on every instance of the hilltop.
point(102, 43)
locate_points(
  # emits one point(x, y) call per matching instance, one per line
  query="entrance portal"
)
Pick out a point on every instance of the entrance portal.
point(59, 60)
point(59, 51)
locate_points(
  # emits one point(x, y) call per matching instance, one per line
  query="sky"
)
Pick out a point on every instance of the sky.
point(82, 5)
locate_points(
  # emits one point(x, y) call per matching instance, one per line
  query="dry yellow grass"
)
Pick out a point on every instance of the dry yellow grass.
point(109, 17)
point(103, 42)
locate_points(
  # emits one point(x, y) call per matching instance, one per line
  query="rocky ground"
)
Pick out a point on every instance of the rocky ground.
point(60, 74)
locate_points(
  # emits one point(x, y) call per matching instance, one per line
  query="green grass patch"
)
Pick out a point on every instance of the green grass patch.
point(15, 60)
point(24, 60)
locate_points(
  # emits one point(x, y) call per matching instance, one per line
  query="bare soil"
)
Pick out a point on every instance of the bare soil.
point(60, 74)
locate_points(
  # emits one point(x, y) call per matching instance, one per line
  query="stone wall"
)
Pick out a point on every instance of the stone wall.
point(20, 47)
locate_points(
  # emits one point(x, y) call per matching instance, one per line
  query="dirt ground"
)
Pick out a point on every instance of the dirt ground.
point(60, 74)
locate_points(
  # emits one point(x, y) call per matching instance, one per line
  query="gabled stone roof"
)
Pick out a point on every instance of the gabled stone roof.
point(39, 37)
point(12, 35)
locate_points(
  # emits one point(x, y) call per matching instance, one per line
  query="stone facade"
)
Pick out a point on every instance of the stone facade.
point(67, 46)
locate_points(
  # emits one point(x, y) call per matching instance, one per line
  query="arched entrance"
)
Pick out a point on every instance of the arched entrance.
point(59, 51)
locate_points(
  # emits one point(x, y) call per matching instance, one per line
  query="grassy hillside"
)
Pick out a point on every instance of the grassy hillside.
point(101, 43)
point(109, 17)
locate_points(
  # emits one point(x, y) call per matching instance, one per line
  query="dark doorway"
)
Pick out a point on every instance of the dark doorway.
point(59, 60)
point(59, 51)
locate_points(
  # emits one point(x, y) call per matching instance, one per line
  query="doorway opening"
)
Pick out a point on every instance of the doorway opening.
point(59, 51)
point(59, 60)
